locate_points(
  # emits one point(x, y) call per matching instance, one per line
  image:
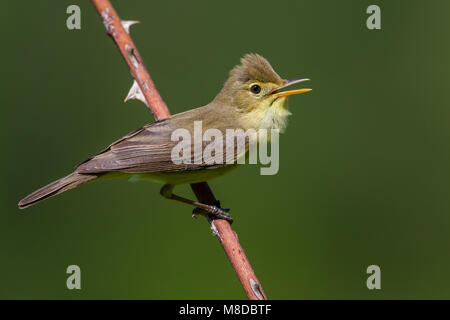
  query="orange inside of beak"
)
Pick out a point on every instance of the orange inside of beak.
point(289, 92)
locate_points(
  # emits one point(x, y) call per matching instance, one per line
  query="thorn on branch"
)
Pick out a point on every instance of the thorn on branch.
point(126, 24)
point(136, 93)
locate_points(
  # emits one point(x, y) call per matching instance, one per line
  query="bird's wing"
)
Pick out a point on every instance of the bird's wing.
point(149, 149)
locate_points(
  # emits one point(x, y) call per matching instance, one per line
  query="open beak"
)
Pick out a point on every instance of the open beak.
point(287, 83)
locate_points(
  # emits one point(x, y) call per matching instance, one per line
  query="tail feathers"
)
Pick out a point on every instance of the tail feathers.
point(56, 187)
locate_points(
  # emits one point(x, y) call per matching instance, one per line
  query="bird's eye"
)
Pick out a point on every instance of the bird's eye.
point(255, 89)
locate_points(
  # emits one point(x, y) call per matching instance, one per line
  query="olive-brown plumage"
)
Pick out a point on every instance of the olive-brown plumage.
point(248, 99)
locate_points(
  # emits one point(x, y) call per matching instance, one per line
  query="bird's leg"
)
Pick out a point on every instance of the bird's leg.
point(201, 208)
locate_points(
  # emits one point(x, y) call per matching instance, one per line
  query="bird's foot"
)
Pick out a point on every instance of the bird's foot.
point(215, 212)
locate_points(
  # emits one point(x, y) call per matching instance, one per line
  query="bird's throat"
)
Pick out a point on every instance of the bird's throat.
point(274, 115)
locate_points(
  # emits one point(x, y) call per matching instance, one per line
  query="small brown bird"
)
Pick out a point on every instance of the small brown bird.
point(249, 99)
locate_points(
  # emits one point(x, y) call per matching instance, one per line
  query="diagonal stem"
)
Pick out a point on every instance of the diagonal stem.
point(221, 228)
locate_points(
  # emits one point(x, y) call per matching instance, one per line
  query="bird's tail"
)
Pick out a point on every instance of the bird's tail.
point(56, 187)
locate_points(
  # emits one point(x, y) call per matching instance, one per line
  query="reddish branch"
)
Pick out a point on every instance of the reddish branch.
point(221, 228)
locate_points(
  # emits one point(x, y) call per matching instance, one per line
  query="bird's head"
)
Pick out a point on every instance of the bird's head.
point(254, 90)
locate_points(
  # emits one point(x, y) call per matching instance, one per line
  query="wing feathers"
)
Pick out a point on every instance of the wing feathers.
point(149, 149)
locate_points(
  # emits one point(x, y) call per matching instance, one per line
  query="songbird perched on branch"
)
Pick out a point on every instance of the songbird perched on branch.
point(250, 99)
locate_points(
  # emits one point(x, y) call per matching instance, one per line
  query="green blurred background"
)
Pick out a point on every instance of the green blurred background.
point(364, 165)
